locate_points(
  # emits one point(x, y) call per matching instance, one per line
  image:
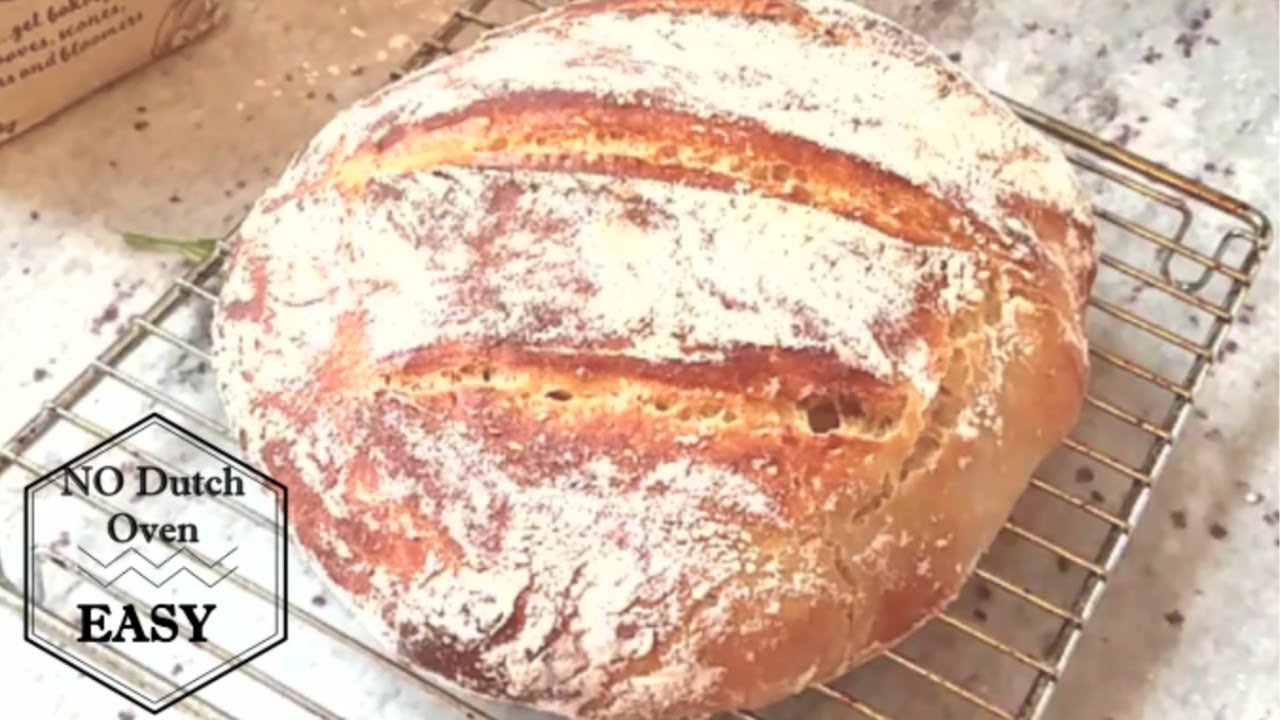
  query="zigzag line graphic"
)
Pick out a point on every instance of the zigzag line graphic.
point(153, 584)
point(151, 562)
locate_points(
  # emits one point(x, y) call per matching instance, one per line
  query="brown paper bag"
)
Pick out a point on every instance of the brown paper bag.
point(53, 52)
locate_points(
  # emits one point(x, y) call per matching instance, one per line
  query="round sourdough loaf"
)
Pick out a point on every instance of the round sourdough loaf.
point(656, 357)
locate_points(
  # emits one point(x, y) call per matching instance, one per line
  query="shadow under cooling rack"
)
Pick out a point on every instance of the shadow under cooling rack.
point(1177, 259)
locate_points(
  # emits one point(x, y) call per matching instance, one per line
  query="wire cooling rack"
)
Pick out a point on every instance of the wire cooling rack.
point(1178, 258)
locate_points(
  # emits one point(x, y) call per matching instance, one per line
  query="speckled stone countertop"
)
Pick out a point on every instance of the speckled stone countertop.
point(1190, 625)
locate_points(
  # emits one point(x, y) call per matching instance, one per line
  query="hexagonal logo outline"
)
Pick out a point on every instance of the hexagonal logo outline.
point(105, 678)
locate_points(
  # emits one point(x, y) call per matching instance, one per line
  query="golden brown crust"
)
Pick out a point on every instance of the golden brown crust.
point(574, 132)
point(628, 390)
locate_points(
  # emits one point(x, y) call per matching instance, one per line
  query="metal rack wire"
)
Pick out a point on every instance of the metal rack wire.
point(1173, 249)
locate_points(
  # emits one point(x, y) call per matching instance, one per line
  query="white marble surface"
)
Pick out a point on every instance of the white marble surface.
point(1189, 626)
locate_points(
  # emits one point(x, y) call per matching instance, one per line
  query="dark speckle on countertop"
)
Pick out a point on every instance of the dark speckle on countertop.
point(39, 374)
point(109, 314)
point(1194, 34)
point(187, 371)
point(1105, 107)
point(1217, 531)
point(1174, 618)
point(1179, 519)
point(1126, 135)
point(1229, 347)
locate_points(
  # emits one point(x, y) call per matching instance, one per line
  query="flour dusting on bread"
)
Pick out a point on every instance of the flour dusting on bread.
point(658, 357)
